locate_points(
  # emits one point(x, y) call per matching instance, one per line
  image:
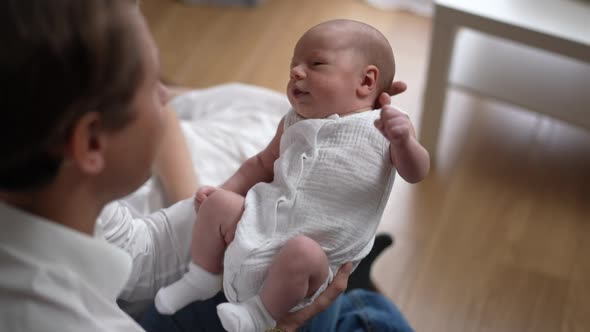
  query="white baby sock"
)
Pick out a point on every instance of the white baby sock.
point(196, 284)
point(249, 316)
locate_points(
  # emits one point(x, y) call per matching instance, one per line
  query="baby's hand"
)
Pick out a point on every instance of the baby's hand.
point(202, 195)
point(395, 125)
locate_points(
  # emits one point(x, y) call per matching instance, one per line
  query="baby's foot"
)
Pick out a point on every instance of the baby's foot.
point(249, 316)
point(196, 284)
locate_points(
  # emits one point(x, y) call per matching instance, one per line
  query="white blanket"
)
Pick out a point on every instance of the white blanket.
point(223, 125)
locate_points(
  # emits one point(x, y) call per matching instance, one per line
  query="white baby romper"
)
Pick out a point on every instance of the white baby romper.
point(331, 183)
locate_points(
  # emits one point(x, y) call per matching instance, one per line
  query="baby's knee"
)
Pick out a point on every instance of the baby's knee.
point(223, 201)
point(222, 207)
point(303, 252)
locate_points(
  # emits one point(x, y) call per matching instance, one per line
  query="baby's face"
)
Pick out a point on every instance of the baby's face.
point(325, 73)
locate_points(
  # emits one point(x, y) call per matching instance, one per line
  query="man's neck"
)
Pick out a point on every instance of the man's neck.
point(70, 208)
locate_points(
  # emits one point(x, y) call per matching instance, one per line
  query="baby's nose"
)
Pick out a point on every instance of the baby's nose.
point(297, 72)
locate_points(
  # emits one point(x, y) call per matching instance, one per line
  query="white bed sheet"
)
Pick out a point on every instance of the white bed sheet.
point(223, 125)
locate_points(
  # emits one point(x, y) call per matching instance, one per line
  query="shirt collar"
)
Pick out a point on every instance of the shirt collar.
point(99, 264)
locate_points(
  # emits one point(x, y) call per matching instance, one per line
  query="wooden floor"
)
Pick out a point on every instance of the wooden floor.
point(496, 239)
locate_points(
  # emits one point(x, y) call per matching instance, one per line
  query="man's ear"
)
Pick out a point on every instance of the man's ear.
point(369, 81)
point(87, 144)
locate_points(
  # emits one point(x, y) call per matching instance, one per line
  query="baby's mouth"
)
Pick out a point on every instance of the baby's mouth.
point(298, 93)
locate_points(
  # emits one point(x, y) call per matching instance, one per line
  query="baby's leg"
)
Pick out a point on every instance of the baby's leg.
point(217, 219)
point(297, 272)
point(215, 228)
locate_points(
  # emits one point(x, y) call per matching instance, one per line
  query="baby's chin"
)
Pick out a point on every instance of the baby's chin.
point(314, 108)
point(306, 112)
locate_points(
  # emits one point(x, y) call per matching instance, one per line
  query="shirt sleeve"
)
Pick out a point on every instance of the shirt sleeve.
point(159, 245)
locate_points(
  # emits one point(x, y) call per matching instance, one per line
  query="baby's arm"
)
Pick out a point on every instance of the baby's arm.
point(256, 169)
point(407, 155)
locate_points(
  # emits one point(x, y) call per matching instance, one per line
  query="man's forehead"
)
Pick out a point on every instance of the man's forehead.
point(148, 44)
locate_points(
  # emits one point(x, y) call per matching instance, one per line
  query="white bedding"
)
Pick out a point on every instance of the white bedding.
point(223, 125)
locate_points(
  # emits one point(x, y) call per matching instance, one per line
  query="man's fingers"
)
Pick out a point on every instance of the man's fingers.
point(336, 287)
point(339, 284)
point(323, 301)
point(341, 278)
point(397, 88)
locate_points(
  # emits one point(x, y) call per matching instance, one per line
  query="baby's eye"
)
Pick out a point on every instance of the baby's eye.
point(317, 63)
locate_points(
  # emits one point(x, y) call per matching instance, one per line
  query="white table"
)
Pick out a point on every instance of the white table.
point(497, 64)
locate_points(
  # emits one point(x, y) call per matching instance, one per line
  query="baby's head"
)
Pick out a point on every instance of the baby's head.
point(339, 67)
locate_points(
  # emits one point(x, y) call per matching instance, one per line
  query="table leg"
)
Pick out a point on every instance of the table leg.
point(441, 49)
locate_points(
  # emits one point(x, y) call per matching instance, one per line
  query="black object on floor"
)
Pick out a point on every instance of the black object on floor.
point(361, 277)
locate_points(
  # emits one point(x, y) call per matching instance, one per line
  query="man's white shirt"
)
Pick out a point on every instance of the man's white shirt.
point(53, 278)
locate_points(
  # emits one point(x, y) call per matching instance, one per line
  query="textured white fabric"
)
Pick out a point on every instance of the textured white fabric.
point(331, 183)
point(196, 284)
point(53, 278)
point(159, 245)
point(223, 126)
point(247, 316)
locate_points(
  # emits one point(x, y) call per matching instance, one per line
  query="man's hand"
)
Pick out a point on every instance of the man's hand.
point(395, 89)
point(294, 320)
point(202, 195)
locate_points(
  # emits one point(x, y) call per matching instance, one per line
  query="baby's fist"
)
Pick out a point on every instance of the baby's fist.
point(202, 195)
point(394, 124)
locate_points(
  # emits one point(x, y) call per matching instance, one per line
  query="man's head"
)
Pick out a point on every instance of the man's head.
point(80, 91)
point(339, 67)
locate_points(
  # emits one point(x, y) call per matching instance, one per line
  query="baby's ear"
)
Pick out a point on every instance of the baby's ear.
point(368, 81)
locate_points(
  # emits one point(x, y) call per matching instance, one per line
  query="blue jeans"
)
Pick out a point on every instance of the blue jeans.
point(358, 311)
point(355, 311)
